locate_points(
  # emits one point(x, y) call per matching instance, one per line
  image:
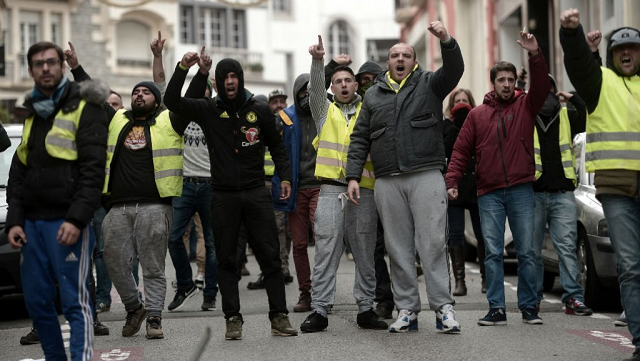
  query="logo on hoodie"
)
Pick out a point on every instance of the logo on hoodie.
point(252, 136)
point(252, 117)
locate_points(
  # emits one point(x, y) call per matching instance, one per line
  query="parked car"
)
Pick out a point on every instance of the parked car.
point(9, 257)
point(596, 260)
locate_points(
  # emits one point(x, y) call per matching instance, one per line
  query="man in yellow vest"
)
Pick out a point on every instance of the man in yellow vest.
point(399, 128)
point(53, 191)
point(555, 204)
point(612, 96)
point(143, 175)
point(335, 216)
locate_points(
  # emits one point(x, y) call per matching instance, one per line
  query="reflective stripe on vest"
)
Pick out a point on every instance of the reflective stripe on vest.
point(60, 141)
point(269, 166)
point(613, 129)
point(166, 148)
point(567, 155)
point(333, 146)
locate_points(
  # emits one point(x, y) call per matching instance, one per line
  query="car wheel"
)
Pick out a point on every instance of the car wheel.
point(593, 290)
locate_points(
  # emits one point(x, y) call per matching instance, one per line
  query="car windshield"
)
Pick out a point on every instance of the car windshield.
point(5, 161)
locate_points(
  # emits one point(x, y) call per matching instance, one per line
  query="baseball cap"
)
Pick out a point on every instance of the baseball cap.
point(277, 93)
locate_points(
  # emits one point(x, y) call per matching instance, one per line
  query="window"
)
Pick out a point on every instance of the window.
point(29, 34)
point(56, 30)
point(340, 39)
point(186, 25)
point(133, 36)
point(282, 7)
point(216, 27)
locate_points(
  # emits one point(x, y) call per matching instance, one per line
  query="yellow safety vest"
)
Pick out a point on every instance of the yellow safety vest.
point(269, 166)
point(60, 141)
point(567, 154)
point(613, 129)
point(167, 148)
point(333, 146)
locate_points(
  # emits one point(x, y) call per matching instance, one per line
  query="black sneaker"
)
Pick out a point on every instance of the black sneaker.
point(369, 320)
point(315, 322)
point(31, 338)
point(531, 317)
point(209, 303)
point(495, 317)
point(257, 285)
point(99, 329)
point(182, 297)
point(384, 312)
point(576, 307)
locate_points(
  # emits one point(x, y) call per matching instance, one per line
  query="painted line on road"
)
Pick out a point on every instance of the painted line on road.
point(600, 316)
point(514, 288)
point(619, 340)
point(121, 354)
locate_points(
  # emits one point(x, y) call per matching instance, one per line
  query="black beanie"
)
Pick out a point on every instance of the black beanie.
point(151, 86)
point(224, 67)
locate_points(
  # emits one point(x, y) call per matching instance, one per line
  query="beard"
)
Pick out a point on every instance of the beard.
point(142, 110)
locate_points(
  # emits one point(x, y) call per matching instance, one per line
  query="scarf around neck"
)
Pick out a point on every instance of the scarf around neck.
point(45, 106)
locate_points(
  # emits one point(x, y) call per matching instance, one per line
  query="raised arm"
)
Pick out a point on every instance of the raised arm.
point(447, 77)
point(585, 74)
point(317, 94)
point(196, 110)
point(157, 45)
point(540, 84)
point(70, 55)
point(198, 85)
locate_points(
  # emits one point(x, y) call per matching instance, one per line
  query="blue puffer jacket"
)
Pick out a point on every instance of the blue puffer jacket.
point(291, 135)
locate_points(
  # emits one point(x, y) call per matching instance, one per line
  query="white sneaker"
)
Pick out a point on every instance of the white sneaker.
point(446, 320)
point(407, 321)
point(621, 321)
point(199, 281)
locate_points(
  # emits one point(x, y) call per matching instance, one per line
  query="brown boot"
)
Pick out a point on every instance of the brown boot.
point(457, 261)
point(304, 303)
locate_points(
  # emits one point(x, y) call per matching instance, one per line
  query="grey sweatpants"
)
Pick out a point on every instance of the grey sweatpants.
point(138, 231)
point(335, 218)
point(413, 211)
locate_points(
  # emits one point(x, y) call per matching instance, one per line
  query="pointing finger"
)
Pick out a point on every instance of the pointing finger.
point(320, 41)
point(159, 36)
point(202, 53)
point(71, 46)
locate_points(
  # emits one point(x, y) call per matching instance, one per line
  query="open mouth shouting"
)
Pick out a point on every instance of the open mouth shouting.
point(231, 92)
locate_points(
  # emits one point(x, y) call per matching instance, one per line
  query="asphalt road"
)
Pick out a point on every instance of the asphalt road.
point(561, 337)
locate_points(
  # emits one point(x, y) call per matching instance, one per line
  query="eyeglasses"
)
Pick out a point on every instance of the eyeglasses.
point(39, 64)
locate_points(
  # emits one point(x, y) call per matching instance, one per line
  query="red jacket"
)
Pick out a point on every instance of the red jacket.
point(501, 136)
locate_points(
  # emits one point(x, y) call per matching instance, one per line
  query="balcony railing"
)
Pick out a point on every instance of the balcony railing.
point(250, 61)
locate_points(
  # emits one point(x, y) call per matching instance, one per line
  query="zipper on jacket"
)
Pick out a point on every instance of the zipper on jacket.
point(498, 120)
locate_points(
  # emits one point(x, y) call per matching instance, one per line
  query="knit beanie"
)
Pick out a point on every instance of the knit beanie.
point(151, 86)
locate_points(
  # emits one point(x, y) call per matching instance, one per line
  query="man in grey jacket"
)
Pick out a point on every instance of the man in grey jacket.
point(399, 127)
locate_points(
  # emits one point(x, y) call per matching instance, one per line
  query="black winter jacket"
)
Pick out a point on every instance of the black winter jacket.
point(403, 132)
point(50, 188)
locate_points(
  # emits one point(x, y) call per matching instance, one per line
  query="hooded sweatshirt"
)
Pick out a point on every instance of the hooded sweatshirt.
point(236, 130)
point(308, 132)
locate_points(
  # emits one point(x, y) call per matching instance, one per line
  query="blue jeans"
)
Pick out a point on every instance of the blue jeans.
point(559, 210)
point(516, 203)
point(196, 197)
point(623, 218)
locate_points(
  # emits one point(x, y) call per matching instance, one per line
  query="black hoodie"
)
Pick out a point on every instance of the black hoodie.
point(236, 131)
